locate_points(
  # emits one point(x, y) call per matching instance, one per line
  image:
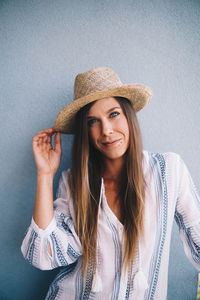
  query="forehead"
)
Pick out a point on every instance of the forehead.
point(104, 104)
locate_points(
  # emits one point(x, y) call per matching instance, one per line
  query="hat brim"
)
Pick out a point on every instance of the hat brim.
point(138, 94)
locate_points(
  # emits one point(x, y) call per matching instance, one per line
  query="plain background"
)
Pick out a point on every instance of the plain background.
point(43, 45)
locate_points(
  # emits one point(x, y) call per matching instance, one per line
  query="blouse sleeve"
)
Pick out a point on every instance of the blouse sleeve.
point(187, 214)
point(60, 234)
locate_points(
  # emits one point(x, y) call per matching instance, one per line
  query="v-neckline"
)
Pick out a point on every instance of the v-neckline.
point(107, 208)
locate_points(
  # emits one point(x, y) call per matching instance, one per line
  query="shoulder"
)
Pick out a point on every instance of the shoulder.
point(165, 156)
point(169, 162)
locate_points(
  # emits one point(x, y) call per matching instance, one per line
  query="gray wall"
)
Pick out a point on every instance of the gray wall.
point(43, 45)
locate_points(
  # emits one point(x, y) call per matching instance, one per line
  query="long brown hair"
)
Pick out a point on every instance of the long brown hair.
point(86, 182)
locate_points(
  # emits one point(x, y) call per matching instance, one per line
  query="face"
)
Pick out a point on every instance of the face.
point(108, 128)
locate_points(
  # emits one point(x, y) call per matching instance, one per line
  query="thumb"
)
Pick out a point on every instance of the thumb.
point(57, 142)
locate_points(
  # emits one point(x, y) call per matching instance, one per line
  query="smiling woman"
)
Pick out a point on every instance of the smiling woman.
point(110, 226)
point(111, 149)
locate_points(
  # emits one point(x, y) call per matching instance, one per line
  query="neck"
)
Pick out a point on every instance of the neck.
point(113, 169)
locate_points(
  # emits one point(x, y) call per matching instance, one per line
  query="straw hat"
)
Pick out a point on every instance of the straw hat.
point(96, 84)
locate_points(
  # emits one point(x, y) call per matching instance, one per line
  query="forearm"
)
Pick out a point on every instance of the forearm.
point(43, 210)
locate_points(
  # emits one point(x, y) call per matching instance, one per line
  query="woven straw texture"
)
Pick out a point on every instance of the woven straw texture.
point(96, 84)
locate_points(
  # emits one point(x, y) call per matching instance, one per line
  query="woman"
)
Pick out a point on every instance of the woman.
point(110, 227)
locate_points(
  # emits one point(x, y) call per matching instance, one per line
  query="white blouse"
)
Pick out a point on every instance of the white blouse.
point(170, 194)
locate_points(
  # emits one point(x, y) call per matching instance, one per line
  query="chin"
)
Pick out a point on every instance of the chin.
point(113, 156)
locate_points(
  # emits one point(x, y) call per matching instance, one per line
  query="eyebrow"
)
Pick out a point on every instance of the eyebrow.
point(111, 109)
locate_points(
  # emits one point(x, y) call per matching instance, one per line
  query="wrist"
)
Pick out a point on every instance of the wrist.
point(45, 176)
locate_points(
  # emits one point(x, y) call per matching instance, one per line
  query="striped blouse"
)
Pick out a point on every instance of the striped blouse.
point(170, 194)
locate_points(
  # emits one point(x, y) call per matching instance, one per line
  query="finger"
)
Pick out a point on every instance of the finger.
point(42, 135)
point(37, 137)
point(48, 143)
point(44, 143)
point(46, 131)
point(40, 142)
point(49, 140)
point(57, 142)
point(35, 140)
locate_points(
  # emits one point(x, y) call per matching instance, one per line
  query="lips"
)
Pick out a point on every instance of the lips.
point(111, 143)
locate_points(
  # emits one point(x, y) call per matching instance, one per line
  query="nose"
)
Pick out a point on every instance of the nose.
point(106, 127)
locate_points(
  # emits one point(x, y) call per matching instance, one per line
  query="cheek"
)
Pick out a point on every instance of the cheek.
point(123, 126)
point(93, 134)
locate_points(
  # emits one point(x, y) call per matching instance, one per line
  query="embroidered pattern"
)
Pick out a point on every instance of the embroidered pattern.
point(162, 171)
point(162, 195)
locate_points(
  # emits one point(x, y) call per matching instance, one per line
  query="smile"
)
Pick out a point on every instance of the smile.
point(113, 143)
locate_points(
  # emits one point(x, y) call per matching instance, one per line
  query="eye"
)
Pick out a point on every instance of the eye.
point(91, 122)
point(114, 114)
